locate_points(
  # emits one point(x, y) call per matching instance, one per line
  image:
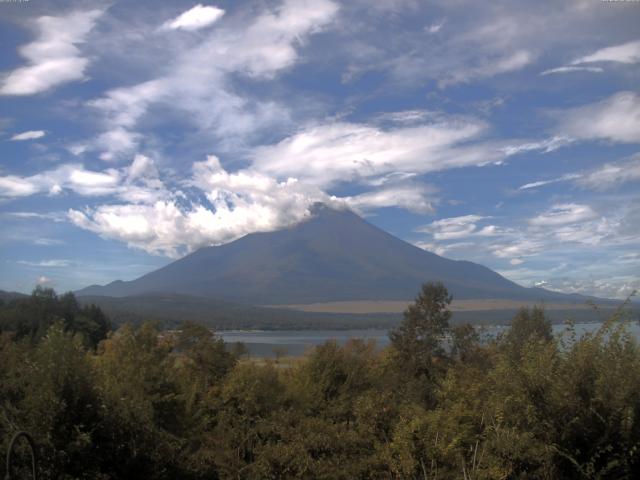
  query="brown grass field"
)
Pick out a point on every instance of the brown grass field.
point(398, 306)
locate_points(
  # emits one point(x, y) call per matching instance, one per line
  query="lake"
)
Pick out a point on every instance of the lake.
point(264, 343)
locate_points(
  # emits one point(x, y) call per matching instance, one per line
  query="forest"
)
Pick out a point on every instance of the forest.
point(138, 402)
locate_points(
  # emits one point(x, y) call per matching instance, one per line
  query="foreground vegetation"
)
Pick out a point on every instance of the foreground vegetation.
point(436, 404)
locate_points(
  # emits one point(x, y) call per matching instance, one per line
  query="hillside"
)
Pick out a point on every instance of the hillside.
point(8, 296)
point(334, 256)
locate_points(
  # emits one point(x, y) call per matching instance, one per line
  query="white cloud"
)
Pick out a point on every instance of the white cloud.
point(491, 231)
point(477, 45)
point(478, 42)
point(46, 263)
point(518, 246)
point(435, 27)
point(605, 287)
point(13, 186)
point(572, 69)
point(30, 135)
point(432, 247)
point(500, 241)
point(616, 119)
point(452, 228)
point(611, 175)
point(605, 177)
point(197, 81)
point(55, 216)
point(237, 204)
point(340, 152)
point(142, 167)
point(558, 279)
point(514, 61)
point(221, 205)
point(444, 249)
point(626, 53)
point(563, 226)
point(414, 198)
point(393, 177)
point(563, 214)
point(84, 182)
point(568, 226)
point(492, 66)
point(47, 242)
point(75, 178)
point(541, 183)
point(407, 117)
point(43, 280)
point(534, 277)
point(195, 18)
point(545, 146)
point(54, 57)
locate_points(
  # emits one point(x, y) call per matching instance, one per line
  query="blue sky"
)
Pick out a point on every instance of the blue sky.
point(506, 133)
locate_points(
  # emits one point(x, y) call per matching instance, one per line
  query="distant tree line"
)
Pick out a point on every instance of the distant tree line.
point(436, 404)
point(33, 316)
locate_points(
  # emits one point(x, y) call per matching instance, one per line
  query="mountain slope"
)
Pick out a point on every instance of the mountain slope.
point(8, 296)
point(334, 256)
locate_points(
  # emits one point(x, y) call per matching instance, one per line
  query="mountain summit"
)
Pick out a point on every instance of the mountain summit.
point(333, 256)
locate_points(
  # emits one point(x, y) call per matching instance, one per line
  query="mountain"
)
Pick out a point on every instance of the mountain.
point(8, 296)
point(333, 256)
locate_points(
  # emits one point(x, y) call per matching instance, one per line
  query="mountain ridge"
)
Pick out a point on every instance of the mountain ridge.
point(333, 256)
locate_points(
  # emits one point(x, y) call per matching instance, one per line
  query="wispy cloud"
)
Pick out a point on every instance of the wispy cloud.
point(30, 135)
point(339, 152)
point(195, 18)
point(138, 182)
point(47, 242)
point(414, 198)
point(55, 216)
point(541, 183)
point(54, 57)
point(563, 214)
point(198, 84)
point(452, 228)
point(72, 176)
point(572, 69)
point(626, 53)
point(547, 145)
point(615, 119)
point(611, 175)
point(56, 263)
point(236, 204)
point(604, 177)
point(435, 27)
point(578, 227)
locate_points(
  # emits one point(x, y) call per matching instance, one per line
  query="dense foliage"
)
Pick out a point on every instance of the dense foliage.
point(436, 404)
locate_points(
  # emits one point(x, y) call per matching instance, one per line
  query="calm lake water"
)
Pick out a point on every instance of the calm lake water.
point(264, 343)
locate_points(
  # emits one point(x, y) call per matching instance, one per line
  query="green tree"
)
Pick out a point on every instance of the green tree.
point(32, 317)
point(206, 358)
point(49, 391)
point(528, 325)
point(142, 404)
point(250, 396)
point(418, 340)
point(464, 341)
